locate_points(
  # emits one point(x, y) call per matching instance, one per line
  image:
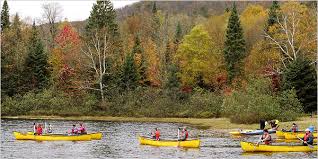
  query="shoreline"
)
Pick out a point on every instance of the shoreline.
point(219, 124)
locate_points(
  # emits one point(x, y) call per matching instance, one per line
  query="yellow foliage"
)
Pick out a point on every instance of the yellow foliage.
point(260, 57)
point(198, 57)
point(253, 20)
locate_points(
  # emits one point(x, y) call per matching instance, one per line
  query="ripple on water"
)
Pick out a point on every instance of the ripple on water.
point(120, 141)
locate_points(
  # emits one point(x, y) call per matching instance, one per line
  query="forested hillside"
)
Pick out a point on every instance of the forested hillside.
point(243, 60)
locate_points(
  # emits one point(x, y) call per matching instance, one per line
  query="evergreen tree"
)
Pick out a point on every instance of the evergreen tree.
point(36, 67)
point(302, 76)
point(272, 15)
point(154, 8)
point(12, 56)
point(155, 25)
point(178, 34)
point(5, 23)
point(173, 79)
point(129, 74)
point(102, 16)
point(141, 66)
point(234, 48)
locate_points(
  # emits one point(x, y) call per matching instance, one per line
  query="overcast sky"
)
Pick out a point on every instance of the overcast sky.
point(72, 10)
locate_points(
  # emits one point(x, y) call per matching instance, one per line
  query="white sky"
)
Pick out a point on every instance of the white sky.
point(72, 10)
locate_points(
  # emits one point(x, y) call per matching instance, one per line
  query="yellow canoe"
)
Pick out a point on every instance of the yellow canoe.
point(290, 141)
point(195, 143)
point(252, 147)
point(293, 135)
point(280, 134)
point(94, 136)
point(46, 137)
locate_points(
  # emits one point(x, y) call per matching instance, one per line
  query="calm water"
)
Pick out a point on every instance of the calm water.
point(120, 141)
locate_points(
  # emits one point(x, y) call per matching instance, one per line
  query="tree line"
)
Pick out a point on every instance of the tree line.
point(156, 63)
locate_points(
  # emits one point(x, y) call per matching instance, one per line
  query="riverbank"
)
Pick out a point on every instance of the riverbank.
point(221, 124)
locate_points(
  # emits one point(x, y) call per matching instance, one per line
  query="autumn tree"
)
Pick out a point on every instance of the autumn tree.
point(234, 46)
point(66, 59)
point(197, 57)
point(294, 35)
point(37, 69)
point(5, 22)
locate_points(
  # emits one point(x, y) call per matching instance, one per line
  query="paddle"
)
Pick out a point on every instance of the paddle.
point(310, 146)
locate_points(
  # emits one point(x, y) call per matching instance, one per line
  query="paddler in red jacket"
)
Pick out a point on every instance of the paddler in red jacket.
point(39, 129)
point(156, 135)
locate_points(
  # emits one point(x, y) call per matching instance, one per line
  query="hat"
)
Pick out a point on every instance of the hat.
point(307, 129)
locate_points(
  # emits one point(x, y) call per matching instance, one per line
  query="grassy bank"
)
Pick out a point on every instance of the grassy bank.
point(208, 123)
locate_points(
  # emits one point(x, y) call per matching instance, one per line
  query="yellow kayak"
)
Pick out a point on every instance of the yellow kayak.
point(293, 135)
point(252, 147)
point(188, 143)
point(50, 137)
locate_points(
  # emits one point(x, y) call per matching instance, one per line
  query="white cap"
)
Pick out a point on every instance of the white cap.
point(307, 129)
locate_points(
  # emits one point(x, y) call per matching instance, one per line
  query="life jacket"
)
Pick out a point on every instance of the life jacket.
point(267, 141)
point(306, 137)
point(157, 134)
point(82, 129)
point(294, 129)
point(185, 134)
point(39, 130)
point(74, 130)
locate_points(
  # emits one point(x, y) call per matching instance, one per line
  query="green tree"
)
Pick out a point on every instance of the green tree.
point(234, 47)
point(178, 34)
point(102, 16)
point(129, 75)
point(5, 22)
point(36, 71)
point(12, 58)
point(138, 52)
point(301, 76)
point(272, 15)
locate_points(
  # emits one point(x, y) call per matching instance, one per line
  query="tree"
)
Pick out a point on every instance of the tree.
point(129, 75)
point(37, 71)
point(272, 15)
point(301, 76)
point(294, 34)
point(52, 13)
point(103, 16)
point(5, 22)
point(197, 57)
point(140, 60)
point(178, 34)
point(97, 51)
point(234, 46)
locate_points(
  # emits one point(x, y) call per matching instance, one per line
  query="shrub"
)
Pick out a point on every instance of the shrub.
point(257, 102)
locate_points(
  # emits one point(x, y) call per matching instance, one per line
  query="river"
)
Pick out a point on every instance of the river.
point(120, 141)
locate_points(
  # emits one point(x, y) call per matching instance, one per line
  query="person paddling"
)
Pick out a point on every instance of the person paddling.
point(82, 129)
point(308, 139)
point(156, 134)
point(274, 124)
point(50, 130)
point(34, 128)
point(74, 130)
point(266, 137)
point(294, 128)
point(184, 134)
